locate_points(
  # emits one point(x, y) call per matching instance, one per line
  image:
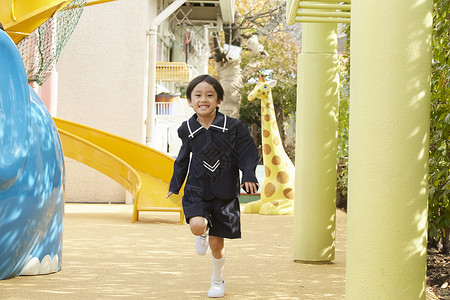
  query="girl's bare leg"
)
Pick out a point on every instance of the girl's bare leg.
point(217, 246)
point(198, 225)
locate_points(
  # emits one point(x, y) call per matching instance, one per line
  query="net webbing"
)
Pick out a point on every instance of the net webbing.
point(41, 50)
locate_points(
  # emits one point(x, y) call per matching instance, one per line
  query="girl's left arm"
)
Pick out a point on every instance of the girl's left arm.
point(247, 155)
point(250, 187)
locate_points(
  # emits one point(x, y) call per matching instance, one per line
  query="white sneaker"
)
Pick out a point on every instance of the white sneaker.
point(217, 289)
point(202, 244)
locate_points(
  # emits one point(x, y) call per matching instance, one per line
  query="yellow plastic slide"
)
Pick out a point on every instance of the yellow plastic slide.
point(21, 17)
point(143, 171)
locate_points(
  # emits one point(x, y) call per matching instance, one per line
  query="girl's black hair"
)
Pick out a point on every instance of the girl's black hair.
point(209, 79)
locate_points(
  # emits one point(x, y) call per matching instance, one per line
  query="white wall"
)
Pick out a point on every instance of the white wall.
point(102, 84)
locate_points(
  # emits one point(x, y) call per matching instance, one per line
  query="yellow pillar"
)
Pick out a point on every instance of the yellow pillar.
point(388, 159)
point(316, 129)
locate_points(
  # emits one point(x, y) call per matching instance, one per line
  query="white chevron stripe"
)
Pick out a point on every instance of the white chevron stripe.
point(211, 168)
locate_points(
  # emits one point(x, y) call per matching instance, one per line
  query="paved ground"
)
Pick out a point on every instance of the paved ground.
point(105, 256)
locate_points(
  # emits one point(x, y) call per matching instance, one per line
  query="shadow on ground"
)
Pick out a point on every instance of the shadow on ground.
point(105, 256)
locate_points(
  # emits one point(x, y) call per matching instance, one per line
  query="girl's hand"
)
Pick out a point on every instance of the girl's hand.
point(168, 194)
point(250, 187)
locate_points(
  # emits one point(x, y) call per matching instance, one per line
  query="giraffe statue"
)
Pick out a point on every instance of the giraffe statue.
point(277, 192)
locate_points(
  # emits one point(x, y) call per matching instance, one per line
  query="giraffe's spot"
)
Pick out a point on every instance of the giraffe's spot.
point(267, 118)
point(276, 160)
point(267, 149)
point(276, 140)
point(274, 125)
point(269, 190)
point(266, 168)
point(282, 177)
point(263, 93)
point(268, 104)
point(266, 133)
point(288, 193)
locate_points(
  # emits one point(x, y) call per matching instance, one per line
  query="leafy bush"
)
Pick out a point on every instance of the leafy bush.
point(343, 117)
point(439, 164)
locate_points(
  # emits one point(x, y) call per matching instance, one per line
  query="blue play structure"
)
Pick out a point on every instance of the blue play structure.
point(31, 175)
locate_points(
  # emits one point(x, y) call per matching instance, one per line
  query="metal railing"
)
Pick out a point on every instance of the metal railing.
point(175, 71)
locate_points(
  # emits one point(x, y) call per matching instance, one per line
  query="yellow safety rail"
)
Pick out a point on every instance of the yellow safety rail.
point(95, 2)
point(154, 168)
point(319, 11)
point(173, 71)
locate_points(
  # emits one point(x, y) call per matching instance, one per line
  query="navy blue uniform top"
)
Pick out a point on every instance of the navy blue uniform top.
point(217, 155)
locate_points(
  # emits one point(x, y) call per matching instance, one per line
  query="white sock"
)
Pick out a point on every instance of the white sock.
point(206, 231)
point(218, 266)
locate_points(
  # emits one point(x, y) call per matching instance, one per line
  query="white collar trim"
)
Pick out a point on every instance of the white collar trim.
point(223, 128)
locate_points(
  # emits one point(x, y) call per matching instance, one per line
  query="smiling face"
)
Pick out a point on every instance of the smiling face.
point(204, 100)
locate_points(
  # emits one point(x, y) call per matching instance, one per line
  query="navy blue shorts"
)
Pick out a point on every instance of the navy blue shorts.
point(224, 216)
